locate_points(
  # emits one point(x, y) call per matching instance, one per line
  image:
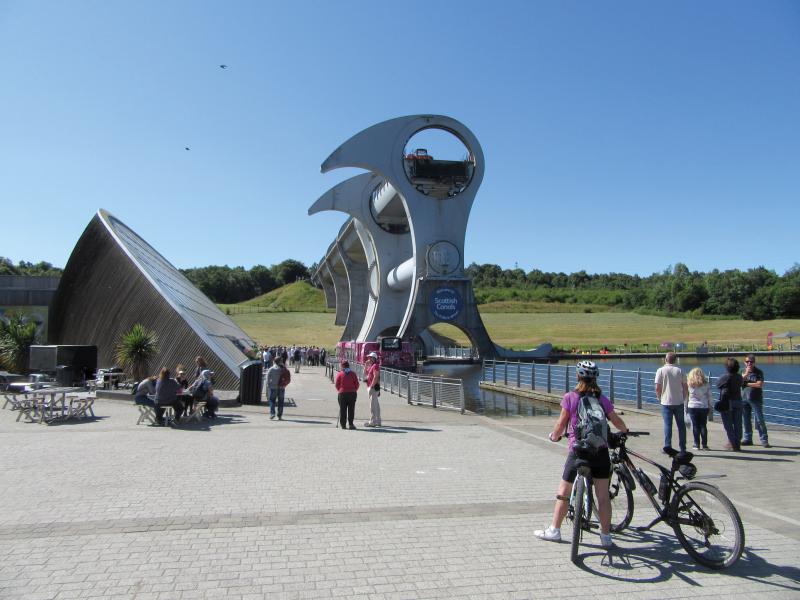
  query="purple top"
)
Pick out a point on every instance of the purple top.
point(570, 403)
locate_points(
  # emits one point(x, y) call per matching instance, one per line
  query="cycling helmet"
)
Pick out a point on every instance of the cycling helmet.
point(587, 368)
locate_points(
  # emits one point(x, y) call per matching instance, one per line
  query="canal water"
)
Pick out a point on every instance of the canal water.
point(497, 404)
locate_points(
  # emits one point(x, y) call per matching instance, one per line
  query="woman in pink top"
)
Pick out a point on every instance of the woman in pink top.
point(347, 385)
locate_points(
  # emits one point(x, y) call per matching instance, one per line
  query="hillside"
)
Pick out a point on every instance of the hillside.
point(300, 296)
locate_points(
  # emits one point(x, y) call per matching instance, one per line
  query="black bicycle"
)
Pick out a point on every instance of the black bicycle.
point(704, 519)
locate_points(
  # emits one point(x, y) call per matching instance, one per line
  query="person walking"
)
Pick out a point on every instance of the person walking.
point(373, 379)
point(698, 406)
point(347, 385)
point(730, 404)
point(753, 406)
point(672, 391)
point(274, 374)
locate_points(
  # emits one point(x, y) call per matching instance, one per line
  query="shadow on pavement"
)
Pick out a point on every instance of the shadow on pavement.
point(663, 558)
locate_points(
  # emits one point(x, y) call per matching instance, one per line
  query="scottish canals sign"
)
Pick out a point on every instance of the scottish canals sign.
point(445, 303)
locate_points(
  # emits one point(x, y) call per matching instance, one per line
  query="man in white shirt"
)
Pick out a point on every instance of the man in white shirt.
point(672, 392)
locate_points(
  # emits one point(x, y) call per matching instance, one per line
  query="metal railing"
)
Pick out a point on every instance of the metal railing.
point(781, 398)
point(461, 352)
point(432, 390)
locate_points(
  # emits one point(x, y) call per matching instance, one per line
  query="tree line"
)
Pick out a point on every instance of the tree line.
point(229, 285)
point(23, 267)
point(756, 294)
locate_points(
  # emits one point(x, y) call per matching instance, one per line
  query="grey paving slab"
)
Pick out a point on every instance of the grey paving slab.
point(435, 505)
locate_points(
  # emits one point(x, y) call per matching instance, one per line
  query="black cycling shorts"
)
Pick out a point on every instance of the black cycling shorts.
point(600, 465)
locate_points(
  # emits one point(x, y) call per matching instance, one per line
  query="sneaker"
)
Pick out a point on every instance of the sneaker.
point(367, 424)
point(272, 416)
point(280, 418)
point(666, 450)
point(606, 541)
point(706, 448)
point(551, 534)
point(353, 426)
point(695, 447)
point(747, 442)
point(766, 444)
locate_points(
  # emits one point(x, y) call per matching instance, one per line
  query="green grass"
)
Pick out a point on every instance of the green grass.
point(526, 330)
point(300, 296)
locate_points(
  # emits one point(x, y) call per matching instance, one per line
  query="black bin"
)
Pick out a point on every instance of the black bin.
point(250, 374)
point(65, 375)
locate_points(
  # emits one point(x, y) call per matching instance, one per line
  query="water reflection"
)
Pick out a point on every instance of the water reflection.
point(497, 404)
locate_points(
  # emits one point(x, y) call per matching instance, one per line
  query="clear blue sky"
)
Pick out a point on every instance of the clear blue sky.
point(618, 136)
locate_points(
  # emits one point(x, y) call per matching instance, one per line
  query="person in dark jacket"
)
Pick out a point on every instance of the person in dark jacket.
point(347, 386)
point(730, 403)
point(167, 395)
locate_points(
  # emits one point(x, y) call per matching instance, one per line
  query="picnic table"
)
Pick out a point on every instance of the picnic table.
point(47, 405)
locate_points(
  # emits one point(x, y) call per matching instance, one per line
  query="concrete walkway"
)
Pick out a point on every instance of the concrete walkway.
point(433, 505)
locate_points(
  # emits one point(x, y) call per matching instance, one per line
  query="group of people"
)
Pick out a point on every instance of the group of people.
point(164, 390)
point(293, 355)
point(347, 385)
point(741, 401)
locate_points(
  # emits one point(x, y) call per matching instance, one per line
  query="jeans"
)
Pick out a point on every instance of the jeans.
point(668, 411)
point(732, 422)
point(699, 417)
point(754, 410)
point(276, 394)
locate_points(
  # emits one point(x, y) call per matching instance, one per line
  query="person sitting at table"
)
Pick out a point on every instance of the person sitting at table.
point(167, 395)
point(146, 387)
point(212, 402)
point(183, 393)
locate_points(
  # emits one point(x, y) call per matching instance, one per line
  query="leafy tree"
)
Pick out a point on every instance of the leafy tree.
point(135, 350)
point(289, 271)
point(17, 335)
point(263, 279)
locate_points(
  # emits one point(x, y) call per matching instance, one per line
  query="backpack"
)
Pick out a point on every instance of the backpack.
point(198, 389)
point(286, 377)
point(591, 430)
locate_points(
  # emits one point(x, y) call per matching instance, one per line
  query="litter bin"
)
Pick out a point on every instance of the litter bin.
point(65, 375)
point(250, 381)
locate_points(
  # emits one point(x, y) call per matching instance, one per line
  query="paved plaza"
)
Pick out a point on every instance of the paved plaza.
point(434, 505)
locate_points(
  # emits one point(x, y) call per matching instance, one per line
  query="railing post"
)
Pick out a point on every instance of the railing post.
point(566, 379)
point(519, 368)
point(611, 385)
point(505, 373)
point(638, 388)
point(463, 408)
point(408, 388)
point(549, 377)
point(533, 375)
point(433, 393)
point(494, 371)
point(710, 412)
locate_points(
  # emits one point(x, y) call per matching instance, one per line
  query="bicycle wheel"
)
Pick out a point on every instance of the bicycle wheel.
point(619, 490)
point(707, 525)
point(578, 516)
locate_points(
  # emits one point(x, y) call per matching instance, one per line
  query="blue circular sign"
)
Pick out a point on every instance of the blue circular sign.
point(445, 303)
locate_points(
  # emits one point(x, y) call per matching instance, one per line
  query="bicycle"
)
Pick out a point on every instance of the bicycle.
point(704, 520)
point(579, 508)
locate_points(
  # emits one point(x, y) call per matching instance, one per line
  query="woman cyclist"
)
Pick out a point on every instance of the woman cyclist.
point(600, 463)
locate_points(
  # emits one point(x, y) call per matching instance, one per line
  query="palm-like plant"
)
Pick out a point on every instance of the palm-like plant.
point(17, 335)
point(135, 349)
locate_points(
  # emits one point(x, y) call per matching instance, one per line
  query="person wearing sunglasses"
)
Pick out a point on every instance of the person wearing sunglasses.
point(753, 408)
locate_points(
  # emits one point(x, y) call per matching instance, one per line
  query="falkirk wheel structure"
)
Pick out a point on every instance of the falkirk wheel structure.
point(396, 266)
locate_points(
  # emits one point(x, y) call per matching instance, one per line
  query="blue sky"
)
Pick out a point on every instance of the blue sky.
point(618, 136)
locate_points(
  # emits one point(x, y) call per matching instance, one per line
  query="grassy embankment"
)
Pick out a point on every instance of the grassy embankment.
point(563, 325)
